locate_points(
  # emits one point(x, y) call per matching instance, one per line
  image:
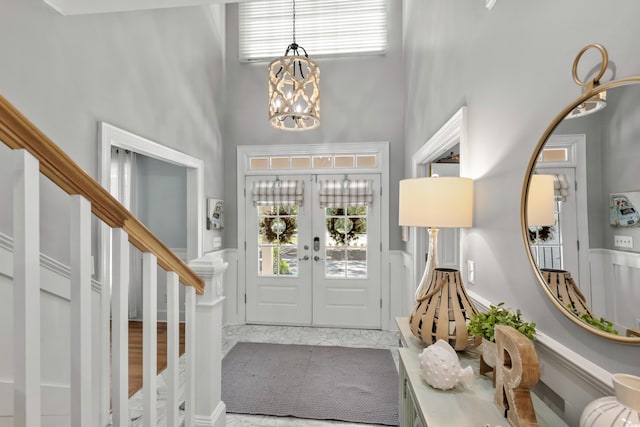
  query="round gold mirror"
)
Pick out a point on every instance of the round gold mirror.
point(580, 207)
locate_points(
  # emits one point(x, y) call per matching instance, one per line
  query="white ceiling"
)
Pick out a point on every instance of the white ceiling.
point(82, 7)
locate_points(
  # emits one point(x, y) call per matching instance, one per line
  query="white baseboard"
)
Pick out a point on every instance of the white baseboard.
point(216, 419)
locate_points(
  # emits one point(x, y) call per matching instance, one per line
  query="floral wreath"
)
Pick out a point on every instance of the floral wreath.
point(358, 226)
point(270, 226)
point(542, 233)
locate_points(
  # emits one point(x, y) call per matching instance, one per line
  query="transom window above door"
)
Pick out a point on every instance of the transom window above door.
point(322, 161)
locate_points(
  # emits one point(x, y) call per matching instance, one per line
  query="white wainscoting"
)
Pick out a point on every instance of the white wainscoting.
point(55, 326)
point(401, 289)
point(619, 300)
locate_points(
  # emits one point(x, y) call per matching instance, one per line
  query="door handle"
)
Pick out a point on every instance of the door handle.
point(304, 258)
point(316, 258)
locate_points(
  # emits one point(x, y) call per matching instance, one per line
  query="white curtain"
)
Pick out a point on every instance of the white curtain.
point(124, 185)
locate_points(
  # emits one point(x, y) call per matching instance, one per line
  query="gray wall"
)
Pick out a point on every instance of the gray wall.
point(162, 200)
point(512, 67)
point(361, 101)
point(159, 74)
point(620, 154)
point(612, 151)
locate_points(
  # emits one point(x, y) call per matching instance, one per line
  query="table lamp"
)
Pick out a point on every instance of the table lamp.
point(443, 307)
point(541, 201)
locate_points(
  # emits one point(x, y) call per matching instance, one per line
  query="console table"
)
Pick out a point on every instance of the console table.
point(424, 406)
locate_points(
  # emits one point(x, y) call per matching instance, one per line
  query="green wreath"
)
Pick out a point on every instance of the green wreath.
point(344, 230)
point(276, 228)
point(542, 233)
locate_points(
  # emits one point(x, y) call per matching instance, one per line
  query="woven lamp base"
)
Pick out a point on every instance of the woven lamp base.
point(443, 310)
point(565, 290)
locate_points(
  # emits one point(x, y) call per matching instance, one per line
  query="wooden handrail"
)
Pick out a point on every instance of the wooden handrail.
point(16, 131)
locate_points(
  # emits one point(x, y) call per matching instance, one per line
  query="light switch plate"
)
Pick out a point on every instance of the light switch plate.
point(471, 274)
point(623, 242)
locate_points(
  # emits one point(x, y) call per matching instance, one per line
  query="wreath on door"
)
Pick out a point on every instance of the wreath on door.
point(278, 226)
point(542, 233)
point(346, 229)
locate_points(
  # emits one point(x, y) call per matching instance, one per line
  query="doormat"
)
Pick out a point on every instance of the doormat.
point(318, 382)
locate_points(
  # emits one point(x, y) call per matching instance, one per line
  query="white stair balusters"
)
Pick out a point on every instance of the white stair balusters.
point(120, 330)
point(149, 338)
point(26, 290)
point(190, 352)
point(81, 317)
point(173, 346)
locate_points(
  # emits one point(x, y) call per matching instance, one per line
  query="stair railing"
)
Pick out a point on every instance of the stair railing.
point(34, 154)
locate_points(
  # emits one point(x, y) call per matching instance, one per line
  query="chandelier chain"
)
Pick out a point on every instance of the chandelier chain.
point(294, 21)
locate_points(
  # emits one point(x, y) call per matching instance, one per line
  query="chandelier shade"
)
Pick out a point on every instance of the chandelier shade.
point(294, 93)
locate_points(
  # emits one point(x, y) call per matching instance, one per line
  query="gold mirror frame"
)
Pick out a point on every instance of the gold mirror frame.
point(590, 89)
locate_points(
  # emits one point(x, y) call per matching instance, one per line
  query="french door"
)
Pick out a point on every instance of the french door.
point(313, 250)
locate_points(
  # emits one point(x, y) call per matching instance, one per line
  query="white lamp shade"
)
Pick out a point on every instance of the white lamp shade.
point(541, 201)
point(436, 202)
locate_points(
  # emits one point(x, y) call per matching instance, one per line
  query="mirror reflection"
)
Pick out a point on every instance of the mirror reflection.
point(588, 247)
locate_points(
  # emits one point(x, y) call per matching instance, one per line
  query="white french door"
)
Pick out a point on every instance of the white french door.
point(316, 260)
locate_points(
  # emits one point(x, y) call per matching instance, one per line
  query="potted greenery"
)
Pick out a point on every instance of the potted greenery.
point(600, 323)
point(483, 324)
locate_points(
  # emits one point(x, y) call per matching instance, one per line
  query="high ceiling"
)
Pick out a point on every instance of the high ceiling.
point(82, 7)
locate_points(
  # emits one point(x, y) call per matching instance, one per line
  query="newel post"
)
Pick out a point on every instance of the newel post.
point(208, 408)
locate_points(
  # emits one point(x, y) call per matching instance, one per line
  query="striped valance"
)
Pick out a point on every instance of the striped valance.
point(278, 192)
point(560, 187)
point(335, 193)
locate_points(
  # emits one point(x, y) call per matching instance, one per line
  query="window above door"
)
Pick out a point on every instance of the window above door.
point(324, 27)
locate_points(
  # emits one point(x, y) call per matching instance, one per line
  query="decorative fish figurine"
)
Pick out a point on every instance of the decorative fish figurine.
point(441, 367)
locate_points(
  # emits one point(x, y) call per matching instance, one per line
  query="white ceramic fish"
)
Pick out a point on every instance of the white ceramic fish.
point(441, 368)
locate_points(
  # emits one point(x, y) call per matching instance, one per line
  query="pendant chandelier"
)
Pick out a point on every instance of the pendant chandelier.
point(294, 93)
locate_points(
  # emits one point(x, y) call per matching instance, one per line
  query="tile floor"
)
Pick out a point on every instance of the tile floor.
point(279, 335)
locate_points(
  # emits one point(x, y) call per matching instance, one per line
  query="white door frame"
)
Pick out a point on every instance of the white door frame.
point(453, 132)
point(381, 149)
point(112, 136)
point(576, 144)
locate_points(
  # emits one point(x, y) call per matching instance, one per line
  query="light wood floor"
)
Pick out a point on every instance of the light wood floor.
point(135, 352)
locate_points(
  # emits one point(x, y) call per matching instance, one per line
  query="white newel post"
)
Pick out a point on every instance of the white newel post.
point(208, 408)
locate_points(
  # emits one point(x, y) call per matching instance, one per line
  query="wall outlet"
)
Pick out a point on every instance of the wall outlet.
point(623, 242)
point(217, 243)
point(471, 273)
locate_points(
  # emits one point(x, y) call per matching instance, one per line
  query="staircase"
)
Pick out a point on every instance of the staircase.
point(82, 384)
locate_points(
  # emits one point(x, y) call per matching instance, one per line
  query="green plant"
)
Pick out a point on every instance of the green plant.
point(284, 269)
point(483, 324)
point(600, 323)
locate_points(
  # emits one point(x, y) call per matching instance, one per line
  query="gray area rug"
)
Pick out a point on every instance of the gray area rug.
point(304, 381)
